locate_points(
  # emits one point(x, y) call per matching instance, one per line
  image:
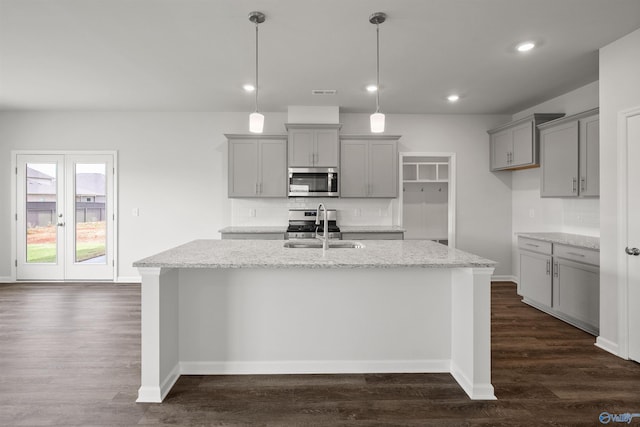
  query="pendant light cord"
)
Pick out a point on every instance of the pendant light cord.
point(256, 66)
point(377, 68)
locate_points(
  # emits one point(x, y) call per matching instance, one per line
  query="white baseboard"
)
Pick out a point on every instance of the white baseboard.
point(314, 367)
point(7, 279)
point(129, 279)
point(157, 394)
point(475, 392)
point(607, 345)
point(504, 278)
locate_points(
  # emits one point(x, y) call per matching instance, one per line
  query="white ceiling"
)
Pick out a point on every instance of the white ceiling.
point(195, 55)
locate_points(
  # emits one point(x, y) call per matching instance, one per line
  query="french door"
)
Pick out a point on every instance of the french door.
point(65, 216)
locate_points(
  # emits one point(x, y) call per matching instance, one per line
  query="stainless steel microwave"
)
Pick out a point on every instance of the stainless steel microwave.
point(313, 182)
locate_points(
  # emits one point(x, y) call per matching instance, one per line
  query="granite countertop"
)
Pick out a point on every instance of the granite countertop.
point(371, 229)
point(577, 240)
point(254, 229)
point(272, 254)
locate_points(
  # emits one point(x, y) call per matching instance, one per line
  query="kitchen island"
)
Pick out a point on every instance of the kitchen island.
point(255, 307)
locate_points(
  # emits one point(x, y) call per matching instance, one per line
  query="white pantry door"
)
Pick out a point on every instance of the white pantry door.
point(633, 233)
point(65, 216)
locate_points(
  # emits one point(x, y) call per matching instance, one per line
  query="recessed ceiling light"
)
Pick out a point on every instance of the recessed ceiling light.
point(525, 47)
point(372, 88)
point(248, 88)
point(453, 98)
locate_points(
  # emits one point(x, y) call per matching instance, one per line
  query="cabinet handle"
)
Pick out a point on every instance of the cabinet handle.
point(256, 188)
point(583, 184)
point(556, 273)
point(260, 188)
point(548, 267)
point(531, 244)
point(575, 254)
point(574, 183)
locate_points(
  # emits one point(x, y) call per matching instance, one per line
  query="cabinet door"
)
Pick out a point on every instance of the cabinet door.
point(383, 169)
point(559, 149)
point(535, 277)
point(576, 291)
point(326, 148)
point(522, 152)
point(273, 168)
point(243, 168)
point(354, 155)
point(301, 147)
point(500, 149)
point(590, 156)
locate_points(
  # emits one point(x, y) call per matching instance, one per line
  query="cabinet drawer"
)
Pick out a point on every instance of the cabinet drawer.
point(587, 256)
point(534, 245)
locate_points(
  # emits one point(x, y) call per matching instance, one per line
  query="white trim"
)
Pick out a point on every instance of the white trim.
point(607, 345)
point(314, 367)
point(477, 392)
point(14, 195)
point(451, 202)
point(504, 278)
point(129, 279)
point(622, 274)
point(7, 279)
point(157, 394)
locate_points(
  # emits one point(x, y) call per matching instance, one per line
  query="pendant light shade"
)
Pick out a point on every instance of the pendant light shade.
point(377, 118)
point(256, 120)
point(377, 122)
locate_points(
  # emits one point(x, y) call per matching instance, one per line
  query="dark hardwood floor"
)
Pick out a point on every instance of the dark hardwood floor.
point(70, 356)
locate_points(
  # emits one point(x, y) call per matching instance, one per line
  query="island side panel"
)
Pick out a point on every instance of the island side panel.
point(307, 320)
point(159, 329)
point(471, 331)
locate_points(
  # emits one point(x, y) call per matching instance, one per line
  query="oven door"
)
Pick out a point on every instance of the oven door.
point(313, 182)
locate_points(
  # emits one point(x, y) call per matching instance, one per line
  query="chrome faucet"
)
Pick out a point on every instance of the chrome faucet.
point(325, 234)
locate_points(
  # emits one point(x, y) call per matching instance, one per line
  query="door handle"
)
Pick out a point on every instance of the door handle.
point(60, 224)
point(632, 251)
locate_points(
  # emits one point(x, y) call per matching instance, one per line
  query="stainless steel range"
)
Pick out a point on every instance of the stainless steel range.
point(302, 224)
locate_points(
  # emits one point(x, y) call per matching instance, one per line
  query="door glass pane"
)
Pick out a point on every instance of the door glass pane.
point(41, 212)
point(90, 206)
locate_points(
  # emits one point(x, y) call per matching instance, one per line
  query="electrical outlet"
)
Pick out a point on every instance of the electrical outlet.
point(135, 212)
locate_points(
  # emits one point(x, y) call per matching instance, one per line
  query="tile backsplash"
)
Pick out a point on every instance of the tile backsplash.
point(274, 212)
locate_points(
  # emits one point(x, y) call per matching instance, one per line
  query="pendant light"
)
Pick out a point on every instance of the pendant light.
point(256, 120)
point(377, 118)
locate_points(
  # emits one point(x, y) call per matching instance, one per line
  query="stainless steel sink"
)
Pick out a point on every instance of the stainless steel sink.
point(316, 244)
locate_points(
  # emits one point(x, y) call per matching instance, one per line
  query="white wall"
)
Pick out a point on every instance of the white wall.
point(172, 167)
point(619, 90)
point(532, 213)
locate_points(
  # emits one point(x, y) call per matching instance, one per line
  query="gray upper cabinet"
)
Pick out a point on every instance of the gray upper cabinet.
point(570, 156)
point(313, 145)
point(369, 166)
point(257, 166)
point(515, 145)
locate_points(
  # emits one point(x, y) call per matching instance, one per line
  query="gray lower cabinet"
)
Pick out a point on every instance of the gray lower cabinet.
point(561, 280)
point(252, 236)
point(257, 166)
point(374, 235)
point(569, 148)
point(369, 166)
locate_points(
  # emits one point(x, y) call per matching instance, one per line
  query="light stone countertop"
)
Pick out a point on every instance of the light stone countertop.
point(577, 240)
point(371, 229)
point(254, 229)
point(272, 254)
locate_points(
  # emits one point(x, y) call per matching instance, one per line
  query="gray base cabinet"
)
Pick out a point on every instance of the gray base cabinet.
point(561, 280)
point(570, 155)
point(377, 235)
point(252, 236)
point(369, 166)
